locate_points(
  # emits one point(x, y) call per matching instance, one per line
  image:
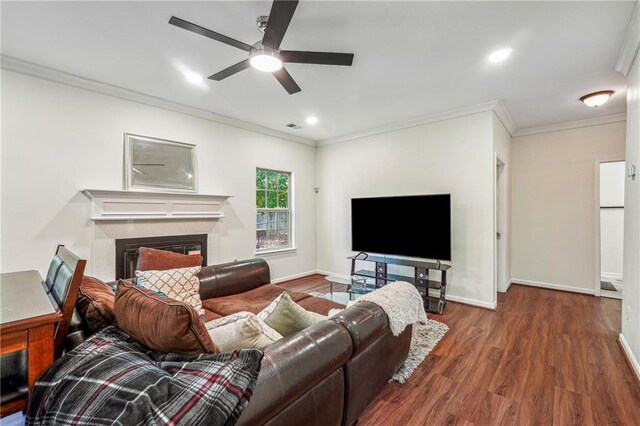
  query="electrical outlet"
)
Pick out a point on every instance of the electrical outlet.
point(628, 312)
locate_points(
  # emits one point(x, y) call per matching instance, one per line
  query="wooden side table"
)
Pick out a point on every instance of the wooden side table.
point(27, 321)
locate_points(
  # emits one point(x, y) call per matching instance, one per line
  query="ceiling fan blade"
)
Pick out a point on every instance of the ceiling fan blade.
point(228, 72)
point(181, 23)
point(323, 58)
point(279, 19)
point(287, 81)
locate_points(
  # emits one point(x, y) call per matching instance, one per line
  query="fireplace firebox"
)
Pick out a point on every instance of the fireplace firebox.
point(127, 250)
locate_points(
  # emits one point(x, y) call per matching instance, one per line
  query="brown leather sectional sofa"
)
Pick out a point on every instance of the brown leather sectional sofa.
point(324, 375)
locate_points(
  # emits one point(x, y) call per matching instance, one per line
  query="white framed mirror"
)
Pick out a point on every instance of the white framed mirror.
point(159, 165)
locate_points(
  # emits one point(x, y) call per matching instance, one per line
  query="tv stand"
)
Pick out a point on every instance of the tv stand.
point(419, 277)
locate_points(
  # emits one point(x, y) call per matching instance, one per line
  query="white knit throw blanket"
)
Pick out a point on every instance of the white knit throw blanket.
point(401, 302)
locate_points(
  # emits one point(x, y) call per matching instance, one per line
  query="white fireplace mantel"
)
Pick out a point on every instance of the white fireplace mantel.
point(110, 205)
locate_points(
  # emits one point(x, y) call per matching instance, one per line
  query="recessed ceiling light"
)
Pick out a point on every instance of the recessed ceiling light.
point(265, 60)
point(500, 55)
point(312, 120)
point(193, 78)
point(596, 99)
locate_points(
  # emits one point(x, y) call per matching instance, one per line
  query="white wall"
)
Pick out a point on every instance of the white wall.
point(611, 219)
point(553, 204)
point(58, 140)
point(454, 156)
point(631, 276)
point(502, 148)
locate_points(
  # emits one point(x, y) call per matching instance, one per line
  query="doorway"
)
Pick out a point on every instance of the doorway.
point(501, 251)
point(611, 217)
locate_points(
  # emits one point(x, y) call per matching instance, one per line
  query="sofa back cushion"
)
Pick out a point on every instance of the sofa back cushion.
point(150, 259)
point(96, 303)
point(233, 278)
point(162, 324)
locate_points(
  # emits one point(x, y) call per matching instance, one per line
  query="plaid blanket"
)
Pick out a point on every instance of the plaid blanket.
point(112, 380)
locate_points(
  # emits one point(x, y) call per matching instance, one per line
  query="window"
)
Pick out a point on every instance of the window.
point(273, 204)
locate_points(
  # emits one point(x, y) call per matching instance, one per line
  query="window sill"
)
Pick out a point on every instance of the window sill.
point(276, 251)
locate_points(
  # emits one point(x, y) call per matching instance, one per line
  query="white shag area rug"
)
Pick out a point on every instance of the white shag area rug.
point(425, 337)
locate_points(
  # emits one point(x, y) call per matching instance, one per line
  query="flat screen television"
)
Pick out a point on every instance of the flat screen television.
point(413, 226)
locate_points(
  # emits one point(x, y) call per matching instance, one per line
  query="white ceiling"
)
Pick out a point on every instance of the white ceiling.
point(412, 59)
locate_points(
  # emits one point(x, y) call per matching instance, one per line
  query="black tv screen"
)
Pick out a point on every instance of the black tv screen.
point(414, 226)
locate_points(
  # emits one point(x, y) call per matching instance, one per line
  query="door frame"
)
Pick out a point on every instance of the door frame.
point(504, 192)
point(597, 267)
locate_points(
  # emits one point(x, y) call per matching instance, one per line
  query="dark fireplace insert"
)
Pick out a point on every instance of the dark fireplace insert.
point(127, 250)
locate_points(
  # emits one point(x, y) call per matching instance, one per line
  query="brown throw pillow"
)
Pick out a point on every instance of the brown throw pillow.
point(159, 322)
point(159, 260)
point(95, 303)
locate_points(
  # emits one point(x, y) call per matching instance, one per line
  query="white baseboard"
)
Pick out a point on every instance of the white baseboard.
point(611, 276)
point(293, 277)
point(508, 285)
point(327, 273)
point(630, 356)
point(472, 302)
point(551, 286)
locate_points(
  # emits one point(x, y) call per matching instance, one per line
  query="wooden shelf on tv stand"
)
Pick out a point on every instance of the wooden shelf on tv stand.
point(419, 277)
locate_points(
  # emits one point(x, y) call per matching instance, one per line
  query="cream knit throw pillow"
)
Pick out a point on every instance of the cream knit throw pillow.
point(180, 284)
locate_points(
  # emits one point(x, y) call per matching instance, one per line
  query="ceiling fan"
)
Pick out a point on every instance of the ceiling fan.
point(266, 55)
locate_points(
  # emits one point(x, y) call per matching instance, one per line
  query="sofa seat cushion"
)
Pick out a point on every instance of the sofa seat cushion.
point(253, 300)
point(210, 315)
point(319, 305)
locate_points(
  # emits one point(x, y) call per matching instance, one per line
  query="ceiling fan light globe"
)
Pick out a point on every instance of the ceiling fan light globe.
point(265, 60)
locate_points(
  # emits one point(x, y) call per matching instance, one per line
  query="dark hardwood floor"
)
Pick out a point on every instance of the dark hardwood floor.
point(543, 357)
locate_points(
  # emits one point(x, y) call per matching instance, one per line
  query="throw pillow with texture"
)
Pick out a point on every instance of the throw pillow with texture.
point(95, 303)
point(150, 259)
point(287, 317)
point(181, 284)
point(162, 324)
point(242, 330)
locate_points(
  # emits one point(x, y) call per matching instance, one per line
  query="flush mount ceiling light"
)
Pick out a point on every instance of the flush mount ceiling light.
point(312, 120)
point(265, 60)
point(595, 99)
point(500, 55)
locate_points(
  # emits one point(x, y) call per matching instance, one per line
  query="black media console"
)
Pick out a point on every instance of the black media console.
point(422, 275)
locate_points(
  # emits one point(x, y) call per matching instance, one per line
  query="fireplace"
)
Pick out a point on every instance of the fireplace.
point(127, 250)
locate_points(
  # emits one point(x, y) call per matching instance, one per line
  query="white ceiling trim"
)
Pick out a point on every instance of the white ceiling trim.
point(631, 44)
point(503, 115)
point(35, 70)
point(414, 122)
point(595, 121)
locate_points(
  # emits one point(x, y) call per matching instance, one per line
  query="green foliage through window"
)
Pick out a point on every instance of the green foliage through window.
point(273, 224)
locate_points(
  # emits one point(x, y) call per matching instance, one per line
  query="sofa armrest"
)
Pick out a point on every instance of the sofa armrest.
point(365, 322)
point(233, 278)
point(295, 364)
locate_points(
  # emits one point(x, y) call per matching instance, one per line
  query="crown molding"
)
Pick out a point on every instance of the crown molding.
point(51, 74)
point(631, 44)
point(414, 122)
point(503, 115)
point(567, 125)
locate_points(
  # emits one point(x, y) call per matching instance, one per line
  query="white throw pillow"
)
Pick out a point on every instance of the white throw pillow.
point(287, 317)
point(181, 284)
point(241, 330)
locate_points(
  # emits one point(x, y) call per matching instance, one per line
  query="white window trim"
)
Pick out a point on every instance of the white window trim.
point(292, 233)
